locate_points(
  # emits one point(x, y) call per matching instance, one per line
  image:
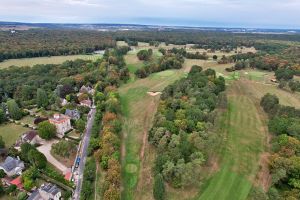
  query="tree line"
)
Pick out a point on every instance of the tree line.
point(284, 123)
point(104, 147)
point(167, 61)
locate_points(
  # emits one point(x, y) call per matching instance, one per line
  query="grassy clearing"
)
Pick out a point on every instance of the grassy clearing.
point(243, 138)
point(10, 132)
point(46, 60)
point(258, 89)
point(121, 43)
point(28, 120)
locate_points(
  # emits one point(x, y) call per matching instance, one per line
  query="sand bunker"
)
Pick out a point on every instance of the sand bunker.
point(154, 93)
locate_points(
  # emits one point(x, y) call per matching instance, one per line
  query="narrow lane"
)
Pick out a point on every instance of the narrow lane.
point(83, 154)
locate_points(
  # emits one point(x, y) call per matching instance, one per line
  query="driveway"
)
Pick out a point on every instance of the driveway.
point(45, 149)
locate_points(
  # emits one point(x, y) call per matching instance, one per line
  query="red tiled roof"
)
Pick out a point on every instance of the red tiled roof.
point(17, 182)
point(68, 176)
point(59, 118)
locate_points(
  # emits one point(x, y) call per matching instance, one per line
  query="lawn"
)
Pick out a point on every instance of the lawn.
point(28, 120)
point(46, 60)
point(121, 43)
point(243, 133)
point(10, 132)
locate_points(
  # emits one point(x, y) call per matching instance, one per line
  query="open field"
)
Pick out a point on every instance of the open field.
point(258, 90)
point(46, 60)
point(244, 133)
point(188, 47)
point(10, 132)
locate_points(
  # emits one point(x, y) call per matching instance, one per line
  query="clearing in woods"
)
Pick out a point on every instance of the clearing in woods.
point(46, 60)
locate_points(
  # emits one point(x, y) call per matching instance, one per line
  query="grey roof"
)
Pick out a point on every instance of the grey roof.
point(11, 163)
point(45, 188)
point(74, 114)
point(34, 196)
point(50, 188)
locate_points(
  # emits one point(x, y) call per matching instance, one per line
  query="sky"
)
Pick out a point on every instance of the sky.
point(201, 13)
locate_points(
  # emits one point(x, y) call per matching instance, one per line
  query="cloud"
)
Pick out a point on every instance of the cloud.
point(246, 13)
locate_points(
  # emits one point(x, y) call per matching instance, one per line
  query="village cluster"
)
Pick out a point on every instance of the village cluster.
point(12, 168)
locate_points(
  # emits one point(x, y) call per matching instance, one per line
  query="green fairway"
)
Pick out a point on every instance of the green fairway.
point(46, 60)
point(11, 132)
point(243, 135)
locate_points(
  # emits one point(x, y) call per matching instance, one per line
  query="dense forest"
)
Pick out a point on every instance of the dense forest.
point(180, 131)
point(47, 42)
point(284, 123)
point(38, 43)
point(22, 83)
point(210, 39)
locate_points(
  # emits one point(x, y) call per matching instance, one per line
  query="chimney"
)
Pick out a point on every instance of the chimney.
point(56, 116)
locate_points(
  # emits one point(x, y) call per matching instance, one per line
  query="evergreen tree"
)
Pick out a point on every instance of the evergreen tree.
point(159, 188)
point(14, 110)
point(2, 116)
point(42, 98)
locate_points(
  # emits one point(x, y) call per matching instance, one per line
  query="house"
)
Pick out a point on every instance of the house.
point(87, 89)
point(87, 103)
point(73, 114)
point(63, 102)
point(17, 182)
point(12, 166)
point(62, 124)
point(30, 137)
point(47, 191)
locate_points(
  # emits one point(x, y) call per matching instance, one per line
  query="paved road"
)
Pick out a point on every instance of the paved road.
point(45, 149)
point(83, 154)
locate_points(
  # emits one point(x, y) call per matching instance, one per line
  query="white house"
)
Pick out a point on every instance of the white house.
point(47, 191)
point(62, 124)
point(12, 166)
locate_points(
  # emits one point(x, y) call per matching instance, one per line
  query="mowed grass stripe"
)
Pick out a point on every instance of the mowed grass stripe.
point(243, 141)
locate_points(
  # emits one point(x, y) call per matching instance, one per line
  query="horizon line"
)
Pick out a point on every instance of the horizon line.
point(144, 24)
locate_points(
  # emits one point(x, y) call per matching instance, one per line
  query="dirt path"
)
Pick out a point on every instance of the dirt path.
point(150, 110)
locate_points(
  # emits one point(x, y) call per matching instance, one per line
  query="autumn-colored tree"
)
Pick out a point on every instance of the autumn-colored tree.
point(108, 116)
point(83, 97)
point(112, 193)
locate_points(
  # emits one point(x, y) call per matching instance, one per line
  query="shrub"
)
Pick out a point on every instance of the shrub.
point(64, 148)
